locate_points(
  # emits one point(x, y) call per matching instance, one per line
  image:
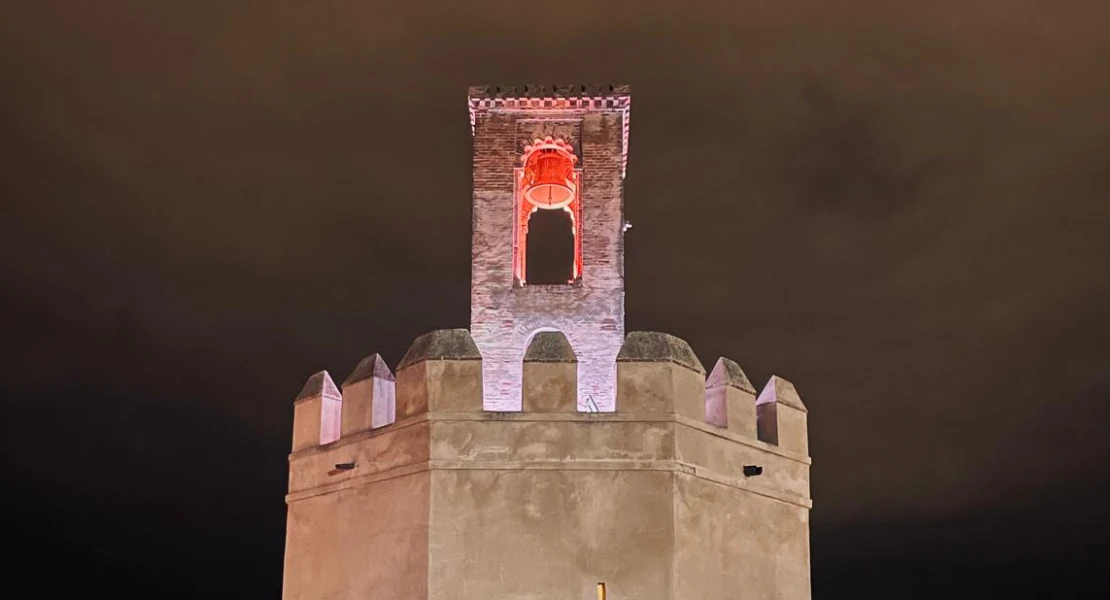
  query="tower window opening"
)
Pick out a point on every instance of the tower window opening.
point(547, 247)
point(550, 248)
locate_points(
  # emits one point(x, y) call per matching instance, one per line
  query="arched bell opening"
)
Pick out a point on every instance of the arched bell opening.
point(547, 248)
point(550, 248)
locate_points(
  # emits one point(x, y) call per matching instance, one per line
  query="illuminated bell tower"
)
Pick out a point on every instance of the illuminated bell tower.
point(427, 484)
point(548, 229)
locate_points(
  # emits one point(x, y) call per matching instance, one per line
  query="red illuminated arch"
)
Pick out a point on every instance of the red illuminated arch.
point(548, 180)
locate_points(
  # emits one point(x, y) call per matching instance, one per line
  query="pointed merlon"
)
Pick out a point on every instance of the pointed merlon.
point(550, 347)
point(371, 366)
point(653, 346)
point(442, 344)
point(781, 391)
point(319, 385)
point(727, 372)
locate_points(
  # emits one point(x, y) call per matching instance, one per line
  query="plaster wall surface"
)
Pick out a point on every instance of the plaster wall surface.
point(550, 534)
point(307, 423)
point(539, 496)
point(567, 442)
point(438, 385)
point(473, 504)
point(785, 475)
point(549, 387)
point(737, 545)
point(367, 404)
point(367, 541)
point(378, 454)
point(661, 387)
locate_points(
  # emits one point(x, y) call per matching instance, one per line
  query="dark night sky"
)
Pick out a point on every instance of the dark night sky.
point(901, 207)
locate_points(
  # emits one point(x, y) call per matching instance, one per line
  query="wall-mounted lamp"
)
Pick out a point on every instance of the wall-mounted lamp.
point(601, 591)
point(752, 470)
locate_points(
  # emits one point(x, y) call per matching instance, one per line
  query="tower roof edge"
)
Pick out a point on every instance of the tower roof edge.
point(592, 90)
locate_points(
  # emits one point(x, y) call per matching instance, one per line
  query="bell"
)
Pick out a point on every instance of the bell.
point(548, 180)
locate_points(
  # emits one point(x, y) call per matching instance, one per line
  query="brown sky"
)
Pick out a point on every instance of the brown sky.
point(902, 207)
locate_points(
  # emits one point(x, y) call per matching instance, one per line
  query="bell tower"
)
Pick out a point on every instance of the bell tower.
point(474, 472)
point(548, 232)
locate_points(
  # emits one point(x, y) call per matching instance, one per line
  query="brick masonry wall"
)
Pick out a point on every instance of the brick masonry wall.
point(591, 313)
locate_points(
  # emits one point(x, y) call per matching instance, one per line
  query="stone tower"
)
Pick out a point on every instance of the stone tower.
point(544, 453)
point(514, 129)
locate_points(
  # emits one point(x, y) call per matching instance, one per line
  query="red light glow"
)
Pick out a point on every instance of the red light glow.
point(548, 181)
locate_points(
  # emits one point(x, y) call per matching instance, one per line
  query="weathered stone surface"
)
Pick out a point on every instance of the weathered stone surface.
point(444, 374)
point(369, 396)
point(785, 474)
point(658, 373)
point(371, 366)
point(319, 384)
point(730, 399)
point(653, 346)
point(655, 506)
point(377, 453)
point(572, 438)
point(550, 346)
point(369, 541)
point(733, 544)
point(728, 372)
point(782, 391)
point(551, 535)
point(441, 344)
point(317, 412)
point(781, 416)
point(550, 386)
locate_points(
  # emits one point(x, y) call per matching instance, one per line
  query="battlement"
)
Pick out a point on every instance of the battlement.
point(668, 416)
point(686, 474)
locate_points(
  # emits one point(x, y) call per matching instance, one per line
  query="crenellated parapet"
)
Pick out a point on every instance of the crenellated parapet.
point(686, 469)
point(730, 398)
point(441, 371)
point(317, 412)
point(369, 396)
point(668, 414)
point(659, 373)
point(550, 374)
point(782, 416)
